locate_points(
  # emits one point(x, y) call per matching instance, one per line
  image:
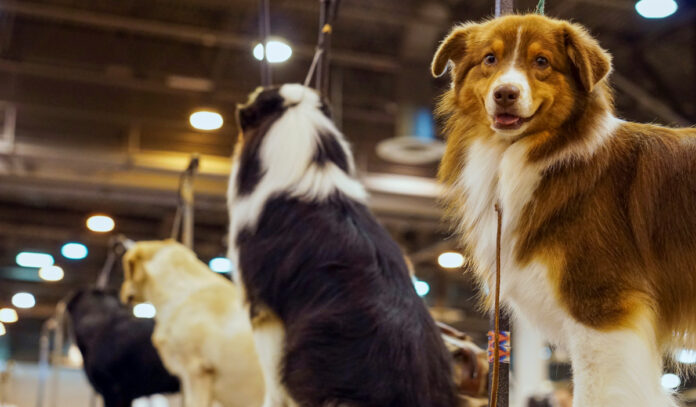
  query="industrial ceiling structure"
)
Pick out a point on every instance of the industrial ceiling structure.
point(95, 98)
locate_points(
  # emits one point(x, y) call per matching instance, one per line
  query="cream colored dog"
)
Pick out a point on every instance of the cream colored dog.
point(202, 332)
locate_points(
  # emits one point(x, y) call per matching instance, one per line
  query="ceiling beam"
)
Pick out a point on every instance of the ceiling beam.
point(186, 33)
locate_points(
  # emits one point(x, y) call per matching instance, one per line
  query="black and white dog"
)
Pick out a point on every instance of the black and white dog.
point(336, 319)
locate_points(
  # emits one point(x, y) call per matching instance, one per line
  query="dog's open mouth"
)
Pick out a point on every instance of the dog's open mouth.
point(507, 121)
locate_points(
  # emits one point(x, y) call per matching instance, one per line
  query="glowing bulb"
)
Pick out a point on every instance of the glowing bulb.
point(8, 315)
point(546, 353)
point(144, 310)
point(23, 300)
point(34, 259)
point(450, 260)
point(74, 355)
point(3, 331)
point(74, 251)
point(206, 120)
point(687, 356)
point(100, 223)
point(51, 273)
point(670, 381)
point(258, 51)
point(276, 51)
point(220, 265)
point(656, 8)
point(422, 287)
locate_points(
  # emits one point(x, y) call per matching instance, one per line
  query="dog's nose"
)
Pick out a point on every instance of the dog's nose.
point(506, 95)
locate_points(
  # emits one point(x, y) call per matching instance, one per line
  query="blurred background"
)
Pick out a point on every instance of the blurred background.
point(102, 102)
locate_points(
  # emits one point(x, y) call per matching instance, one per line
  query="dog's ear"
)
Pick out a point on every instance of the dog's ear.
point(132, 265)
point(453, 48)
point(591, 62)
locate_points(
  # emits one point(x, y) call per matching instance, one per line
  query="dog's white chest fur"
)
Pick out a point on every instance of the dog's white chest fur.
point(499, 173)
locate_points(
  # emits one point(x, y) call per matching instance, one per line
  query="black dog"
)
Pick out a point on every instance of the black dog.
point(119, 359)
point(332, 303)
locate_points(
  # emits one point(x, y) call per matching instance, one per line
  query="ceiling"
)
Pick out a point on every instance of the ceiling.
point(95, 97)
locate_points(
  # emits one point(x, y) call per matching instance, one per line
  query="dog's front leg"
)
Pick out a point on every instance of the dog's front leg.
point(197, 386)
point(269, 337)
point(616, 369)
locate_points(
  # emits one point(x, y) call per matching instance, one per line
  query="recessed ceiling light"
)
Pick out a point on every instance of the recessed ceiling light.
point(144, 310)
point(687, 356)
point(277, 51)
point(23, 300)
point(450, 260)
point(206, 120)
point(8, 315)
point(670, 381)
point(422, 287)
point(51, 273)
point(34, 259)
point(100, 223)
point(3, 331)
point(74, 251)
point(656, 8)
point(220, 265)
point(75, 356)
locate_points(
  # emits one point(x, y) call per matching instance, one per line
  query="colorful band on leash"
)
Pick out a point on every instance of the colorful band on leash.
point(505, 346)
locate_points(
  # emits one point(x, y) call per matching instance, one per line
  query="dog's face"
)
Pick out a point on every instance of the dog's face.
point(521, 74)
point(265, 105)
point(135, 275)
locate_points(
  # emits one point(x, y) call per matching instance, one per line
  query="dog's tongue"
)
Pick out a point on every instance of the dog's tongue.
point(506, 119)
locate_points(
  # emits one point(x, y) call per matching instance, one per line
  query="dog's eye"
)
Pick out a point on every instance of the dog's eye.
point(541, 62)
point(490, 59)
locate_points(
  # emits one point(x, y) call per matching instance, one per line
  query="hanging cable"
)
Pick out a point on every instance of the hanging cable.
point(183, 219)
point(265, 33)
point(328, 11)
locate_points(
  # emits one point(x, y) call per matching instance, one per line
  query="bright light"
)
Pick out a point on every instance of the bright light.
point(74, 356)
point(34, 259)
point(687, 356)
point(422, 287)
point(403, 185)
point(278, 51)
point(74, 251)
point(220, 265)
point(656, 8)
point(144, 310)
point(258, 51)
point(51, 273)
point(546, 353)
point(450, 260)
point(23, 300)
point(100, 223)
point(3, 331)
point(8, 315)
point(670, 381)
point(206, 120)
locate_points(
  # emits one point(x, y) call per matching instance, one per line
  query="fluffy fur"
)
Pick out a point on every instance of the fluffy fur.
point(119, 359)
point(330, 297)
point(599, 230)
point(201, 330)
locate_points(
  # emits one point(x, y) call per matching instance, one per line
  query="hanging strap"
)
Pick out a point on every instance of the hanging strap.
point(328, 11)
point(117, 247)
point(265, 32)
point(183, 219)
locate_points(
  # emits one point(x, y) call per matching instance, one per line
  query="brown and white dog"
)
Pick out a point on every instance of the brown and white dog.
point(599, 227)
